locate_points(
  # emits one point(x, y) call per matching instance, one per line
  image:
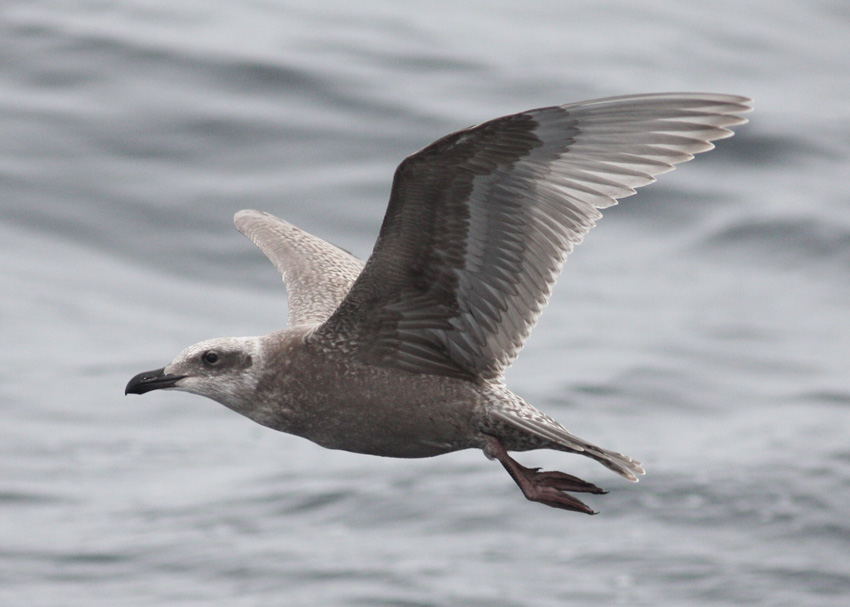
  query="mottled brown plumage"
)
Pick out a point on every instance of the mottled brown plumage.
point(405, 356)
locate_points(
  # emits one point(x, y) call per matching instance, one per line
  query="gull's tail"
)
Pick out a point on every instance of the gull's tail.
point(540, 425)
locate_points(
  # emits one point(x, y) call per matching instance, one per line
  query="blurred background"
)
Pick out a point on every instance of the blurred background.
point(702, 328)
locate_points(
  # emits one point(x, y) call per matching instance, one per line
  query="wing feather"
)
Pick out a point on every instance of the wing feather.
point(480, 222)
point(317, 274)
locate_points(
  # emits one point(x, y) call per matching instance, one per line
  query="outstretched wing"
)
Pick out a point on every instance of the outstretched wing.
point(317, 274)
point(480, 222)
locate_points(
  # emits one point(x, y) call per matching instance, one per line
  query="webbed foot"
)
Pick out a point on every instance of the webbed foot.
point(545, 487)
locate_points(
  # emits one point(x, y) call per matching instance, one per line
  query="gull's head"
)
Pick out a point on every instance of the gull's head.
point(223, 369)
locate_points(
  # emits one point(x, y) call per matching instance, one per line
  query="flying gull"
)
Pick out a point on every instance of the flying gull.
point(405, 356)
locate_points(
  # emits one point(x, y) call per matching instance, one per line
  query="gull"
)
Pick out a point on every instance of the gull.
point(404, 356)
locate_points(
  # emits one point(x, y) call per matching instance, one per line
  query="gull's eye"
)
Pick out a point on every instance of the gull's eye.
point(211, 357)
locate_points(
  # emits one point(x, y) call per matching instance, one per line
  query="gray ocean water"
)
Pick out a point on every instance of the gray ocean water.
point(703, 327)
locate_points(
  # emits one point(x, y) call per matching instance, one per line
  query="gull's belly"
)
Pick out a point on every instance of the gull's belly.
point(386, 412)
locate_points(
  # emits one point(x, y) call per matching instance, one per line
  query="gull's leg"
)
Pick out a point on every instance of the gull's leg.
point(544, 487)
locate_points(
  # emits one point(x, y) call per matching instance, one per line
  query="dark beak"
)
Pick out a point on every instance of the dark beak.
point(151, 380)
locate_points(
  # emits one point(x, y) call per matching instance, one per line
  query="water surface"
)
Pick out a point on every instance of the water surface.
point(702, 328)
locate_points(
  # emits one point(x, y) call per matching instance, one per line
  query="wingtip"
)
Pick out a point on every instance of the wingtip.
point(240, 218)
point(244, 213)
point(745, 102)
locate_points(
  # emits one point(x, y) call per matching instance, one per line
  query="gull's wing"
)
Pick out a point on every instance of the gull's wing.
point(317, 274)
point(480, 222)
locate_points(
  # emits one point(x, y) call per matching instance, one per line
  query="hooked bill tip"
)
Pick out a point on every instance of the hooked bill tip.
point(146, 381)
